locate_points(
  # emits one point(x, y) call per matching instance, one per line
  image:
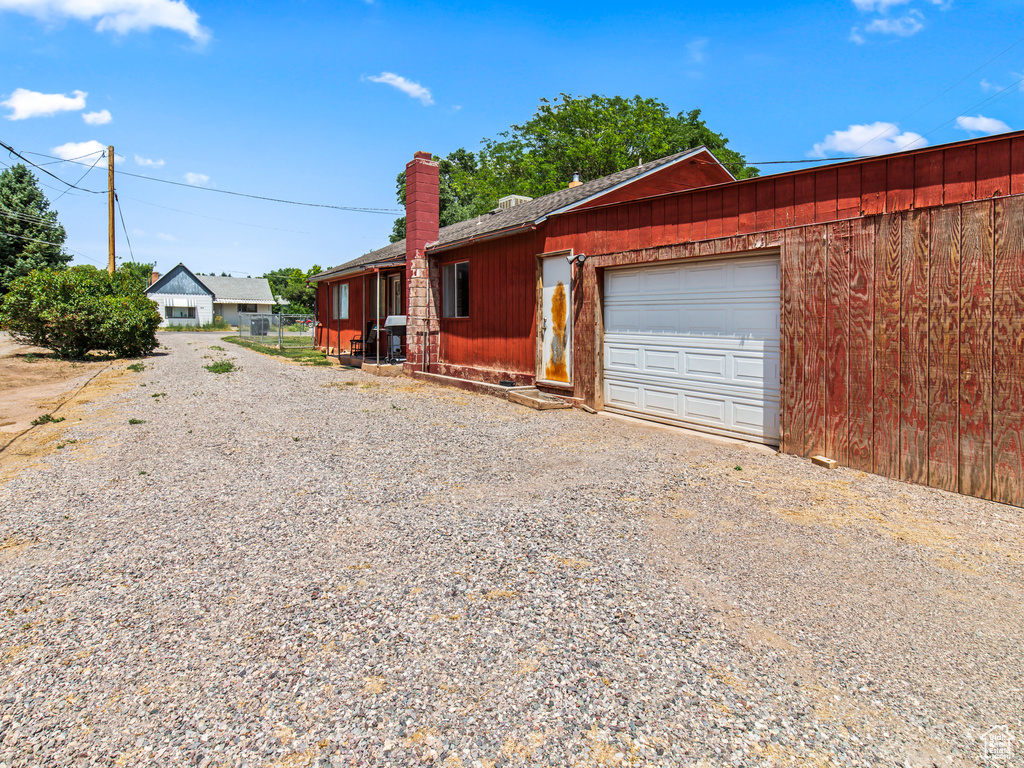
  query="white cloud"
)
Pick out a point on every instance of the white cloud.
point(988, 87)
point(81, 150)
point(856, 36)
point(979, 124)
point(881, 6)
point(697, 50)
point(97, 118)
point(415, 90)
point(862, 140)
point(145, 162)
point(166, 238)
point(196, 179)
point(24, 104)
point(904, 26)
point(120, 16)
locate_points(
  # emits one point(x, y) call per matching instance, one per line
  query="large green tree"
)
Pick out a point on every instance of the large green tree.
point(290, 284)
point(30, 235)
point(591, 135)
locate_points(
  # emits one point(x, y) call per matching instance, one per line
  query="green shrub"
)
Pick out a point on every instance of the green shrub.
point(221, 366)
point(77, 310)
point(47, 418)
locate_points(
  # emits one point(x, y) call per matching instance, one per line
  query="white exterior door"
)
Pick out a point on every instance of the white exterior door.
point(556, 321)
point(696, 344)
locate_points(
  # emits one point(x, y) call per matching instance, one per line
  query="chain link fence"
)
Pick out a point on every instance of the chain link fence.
point(276, 330)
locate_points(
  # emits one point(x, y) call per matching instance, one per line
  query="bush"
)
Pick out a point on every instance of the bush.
point(77, 310)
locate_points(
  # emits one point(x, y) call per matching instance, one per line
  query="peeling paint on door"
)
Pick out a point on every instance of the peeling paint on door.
point(556, 369)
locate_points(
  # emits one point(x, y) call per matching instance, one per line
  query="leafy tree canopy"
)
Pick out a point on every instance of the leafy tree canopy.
point(30, 235)
point(591, 135)
point(290, 284)
point(138, 272)
point(74, 311)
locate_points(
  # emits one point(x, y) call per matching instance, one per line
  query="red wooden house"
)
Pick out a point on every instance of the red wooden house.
point(871, 311)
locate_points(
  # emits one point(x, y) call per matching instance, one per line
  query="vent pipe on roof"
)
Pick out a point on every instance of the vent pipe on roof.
point(575, 180)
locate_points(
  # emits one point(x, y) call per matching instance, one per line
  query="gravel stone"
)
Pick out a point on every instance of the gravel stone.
point(309, 566)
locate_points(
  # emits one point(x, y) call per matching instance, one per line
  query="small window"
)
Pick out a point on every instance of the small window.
point(339, 301)
point(455, 289)
point(180, 313)
point(246, 307)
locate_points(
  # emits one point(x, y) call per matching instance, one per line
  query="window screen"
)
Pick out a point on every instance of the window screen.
point(455, 289)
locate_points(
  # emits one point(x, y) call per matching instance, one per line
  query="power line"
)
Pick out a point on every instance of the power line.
point(26, 217)
point(213, 218)
point(98, 158)
point(47, 242)
point(121, 214)
point(355, 209)
point(35, 165)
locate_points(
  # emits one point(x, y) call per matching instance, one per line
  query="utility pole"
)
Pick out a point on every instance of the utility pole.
point(110, 209)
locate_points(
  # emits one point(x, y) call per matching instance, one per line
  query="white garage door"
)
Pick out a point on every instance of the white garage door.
point(696, 344)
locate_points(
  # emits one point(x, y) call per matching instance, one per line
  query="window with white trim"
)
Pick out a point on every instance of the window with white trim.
point(455, 289)
point(339, 301)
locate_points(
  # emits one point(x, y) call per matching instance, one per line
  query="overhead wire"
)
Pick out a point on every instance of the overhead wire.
point(355, 209)
point(98, 158)
point(36, 165)
point(47, 242)
point(121, 214)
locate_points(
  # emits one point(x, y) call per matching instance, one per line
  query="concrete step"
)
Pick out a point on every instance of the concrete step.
point(534, 398)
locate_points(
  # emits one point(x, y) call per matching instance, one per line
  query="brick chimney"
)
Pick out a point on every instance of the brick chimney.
point(421, 227)
point(154, 277)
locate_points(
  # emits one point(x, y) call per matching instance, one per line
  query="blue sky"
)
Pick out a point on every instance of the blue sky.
point(324, 102)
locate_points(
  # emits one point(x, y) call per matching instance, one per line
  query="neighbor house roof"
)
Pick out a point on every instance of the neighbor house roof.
point(508, 220)
point(244, 290)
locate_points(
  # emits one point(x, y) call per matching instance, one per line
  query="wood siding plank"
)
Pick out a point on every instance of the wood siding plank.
point(730, 210)
point(815, 311)
point(1017, 166)
point(792, 405)
point(976, 269)
point(861, 381)
point(764, 215)
point(944, 350)
point(699, 223)
point(899, 184)
point(993, 169)
point(785, 197)
point(1008, 352)
point(803, 208)
point(849, 191)
point(872, 187)
point(837, 335)
point(748, 206)
point(928, 180)
point(916, 231)
point(888, 250)
point(714, 213)
point(826, 201)
point(959, 174)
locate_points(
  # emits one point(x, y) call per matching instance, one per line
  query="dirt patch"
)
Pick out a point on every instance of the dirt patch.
point(34, 382)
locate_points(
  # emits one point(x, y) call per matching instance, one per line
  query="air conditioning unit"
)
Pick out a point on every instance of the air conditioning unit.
point(511, 201)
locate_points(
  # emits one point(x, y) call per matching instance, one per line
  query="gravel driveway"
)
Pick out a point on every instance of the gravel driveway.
point(291, 566)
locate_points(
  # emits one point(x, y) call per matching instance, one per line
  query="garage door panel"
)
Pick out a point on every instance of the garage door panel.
point(696, 344)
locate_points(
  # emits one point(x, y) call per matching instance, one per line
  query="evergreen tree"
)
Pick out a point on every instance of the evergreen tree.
point(30, 235)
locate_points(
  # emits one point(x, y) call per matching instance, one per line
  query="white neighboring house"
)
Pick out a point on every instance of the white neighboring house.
point(184, 298)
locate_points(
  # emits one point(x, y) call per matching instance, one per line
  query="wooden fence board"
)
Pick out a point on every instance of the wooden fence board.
point(888, 250)
point(1008, 352)
point(975, 472)
point(916, 232)
point(815, 263)
point(792, 406)
point(944, 350)
point(837, 335)
point(861, 370)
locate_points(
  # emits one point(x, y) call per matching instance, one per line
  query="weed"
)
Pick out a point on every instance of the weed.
point(46, 418)
point(136, 421)
point(221, 366)
point(397, 408)
point(143, 472)
point(295, 439)
point(219, 349)
point(159, 394)
point(66, 443)
point(738, 468)
point(30, 358)
point(137, 367)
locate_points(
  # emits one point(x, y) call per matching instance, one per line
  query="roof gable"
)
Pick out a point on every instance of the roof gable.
point(179, 281)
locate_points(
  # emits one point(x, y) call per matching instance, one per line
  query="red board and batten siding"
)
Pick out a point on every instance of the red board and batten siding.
point(902, 303)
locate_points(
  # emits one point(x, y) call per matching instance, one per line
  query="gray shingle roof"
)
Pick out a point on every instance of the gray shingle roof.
point(515, 217)
point(245, 290)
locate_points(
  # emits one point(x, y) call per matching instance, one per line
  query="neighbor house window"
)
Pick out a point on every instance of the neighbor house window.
point(339, 301)
point(180, 312)
point(455, 289)
point(246, 307)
